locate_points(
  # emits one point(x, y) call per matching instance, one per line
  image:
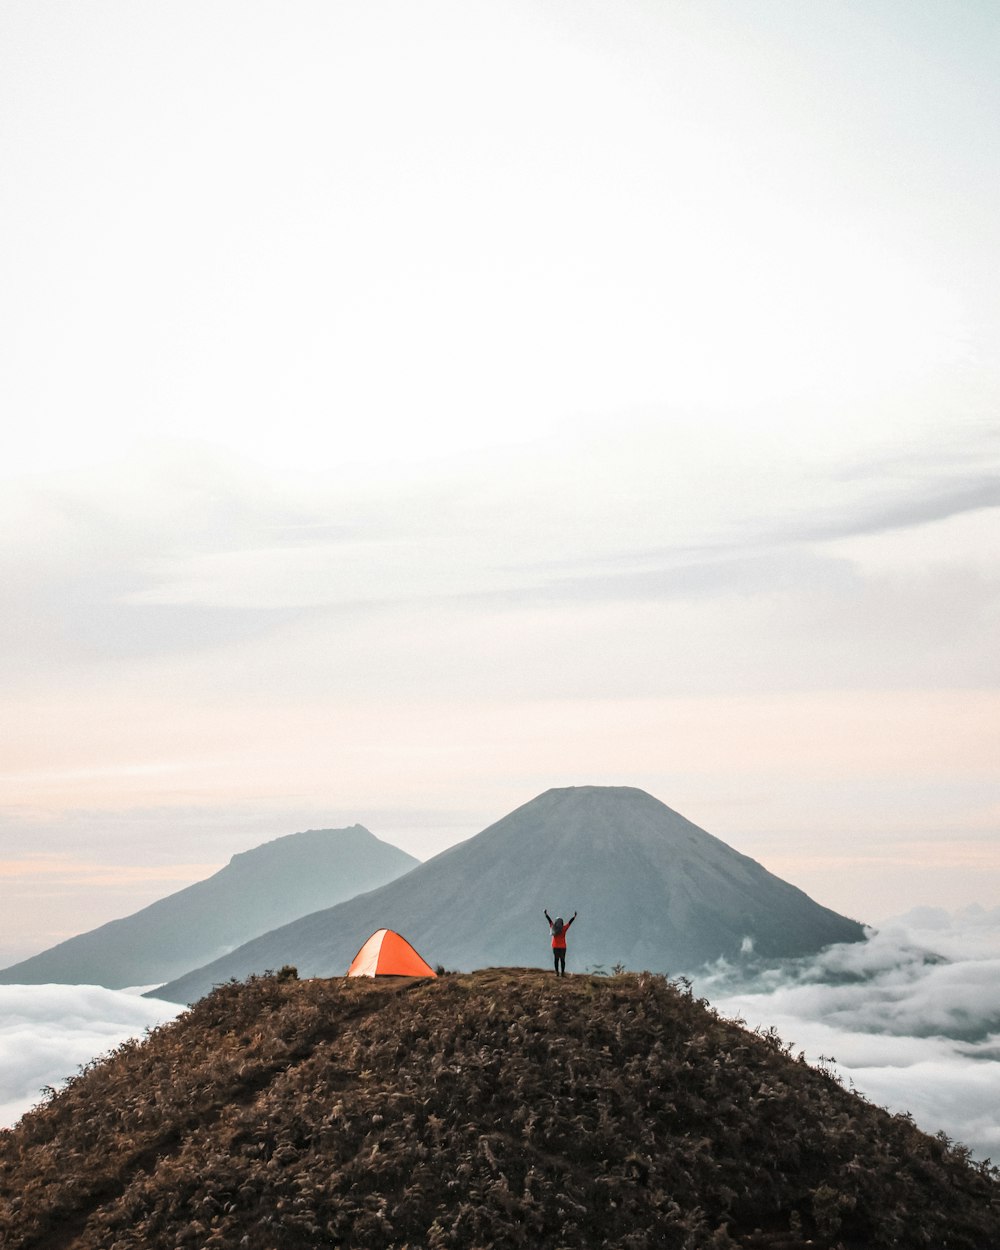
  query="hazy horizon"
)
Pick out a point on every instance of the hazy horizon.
point(415, 407)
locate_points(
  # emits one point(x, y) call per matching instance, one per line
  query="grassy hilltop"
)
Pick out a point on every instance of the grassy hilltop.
point(497, 1109)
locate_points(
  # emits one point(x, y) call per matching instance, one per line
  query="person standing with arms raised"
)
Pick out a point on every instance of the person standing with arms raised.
point(558, 930)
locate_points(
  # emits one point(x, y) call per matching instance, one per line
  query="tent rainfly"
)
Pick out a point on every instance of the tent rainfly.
point(386, 954)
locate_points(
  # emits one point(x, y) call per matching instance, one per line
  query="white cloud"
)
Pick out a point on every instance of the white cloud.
point(48, 1031)
point(910, 1019)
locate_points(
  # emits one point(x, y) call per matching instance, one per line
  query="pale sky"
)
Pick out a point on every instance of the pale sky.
point(413, 406)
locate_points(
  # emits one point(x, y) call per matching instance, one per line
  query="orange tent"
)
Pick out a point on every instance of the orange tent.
point(386, 954)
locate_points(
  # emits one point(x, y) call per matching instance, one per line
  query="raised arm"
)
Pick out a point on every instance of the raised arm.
point(569, 921)
point(547, 916)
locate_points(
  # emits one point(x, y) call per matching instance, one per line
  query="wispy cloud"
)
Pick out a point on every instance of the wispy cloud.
point(184, 549)
point(76, 872)
point(918, 503)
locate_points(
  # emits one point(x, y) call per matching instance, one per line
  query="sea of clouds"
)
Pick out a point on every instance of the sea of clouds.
point(47, 1032)
point(910, 1019)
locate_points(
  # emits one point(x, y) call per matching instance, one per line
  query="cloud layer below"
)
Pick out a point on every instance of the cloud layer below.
point(910, 1019)
point(48, 1031)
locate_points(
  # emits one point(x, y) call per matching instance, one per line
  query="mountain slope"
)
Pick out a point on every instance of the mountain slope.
point(652, 889)
point(502, 1108)
point(256, 891)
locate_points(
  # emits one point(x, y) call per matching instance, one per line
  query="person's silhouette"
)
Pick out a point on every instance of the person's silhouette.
point(558, 929)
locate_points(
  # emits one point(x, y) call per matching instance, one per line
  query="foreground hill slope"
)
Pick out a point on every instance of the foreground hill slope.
point(652, 889)
point(257, 890)
point(504, 1108)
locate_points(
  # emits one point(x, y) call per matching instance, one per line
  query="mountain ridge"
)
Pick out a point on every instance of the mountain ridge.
point(261, 888)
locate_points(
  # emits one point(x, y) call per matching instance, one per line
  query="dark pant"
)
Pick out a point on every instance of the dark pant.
point(559, 956)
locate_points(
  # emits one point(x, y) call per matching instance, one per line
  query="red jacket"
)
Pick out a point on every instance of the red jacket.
point(559, 939)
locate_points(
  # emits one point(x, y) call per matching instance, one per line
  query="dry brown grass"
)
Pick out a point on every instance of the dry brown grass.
point(504, 1108)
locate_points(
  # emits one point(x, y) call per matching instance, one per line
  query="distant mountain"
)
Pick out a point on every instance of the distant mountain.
point(653, 892)
point(502, 1108)
point(256, 891)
